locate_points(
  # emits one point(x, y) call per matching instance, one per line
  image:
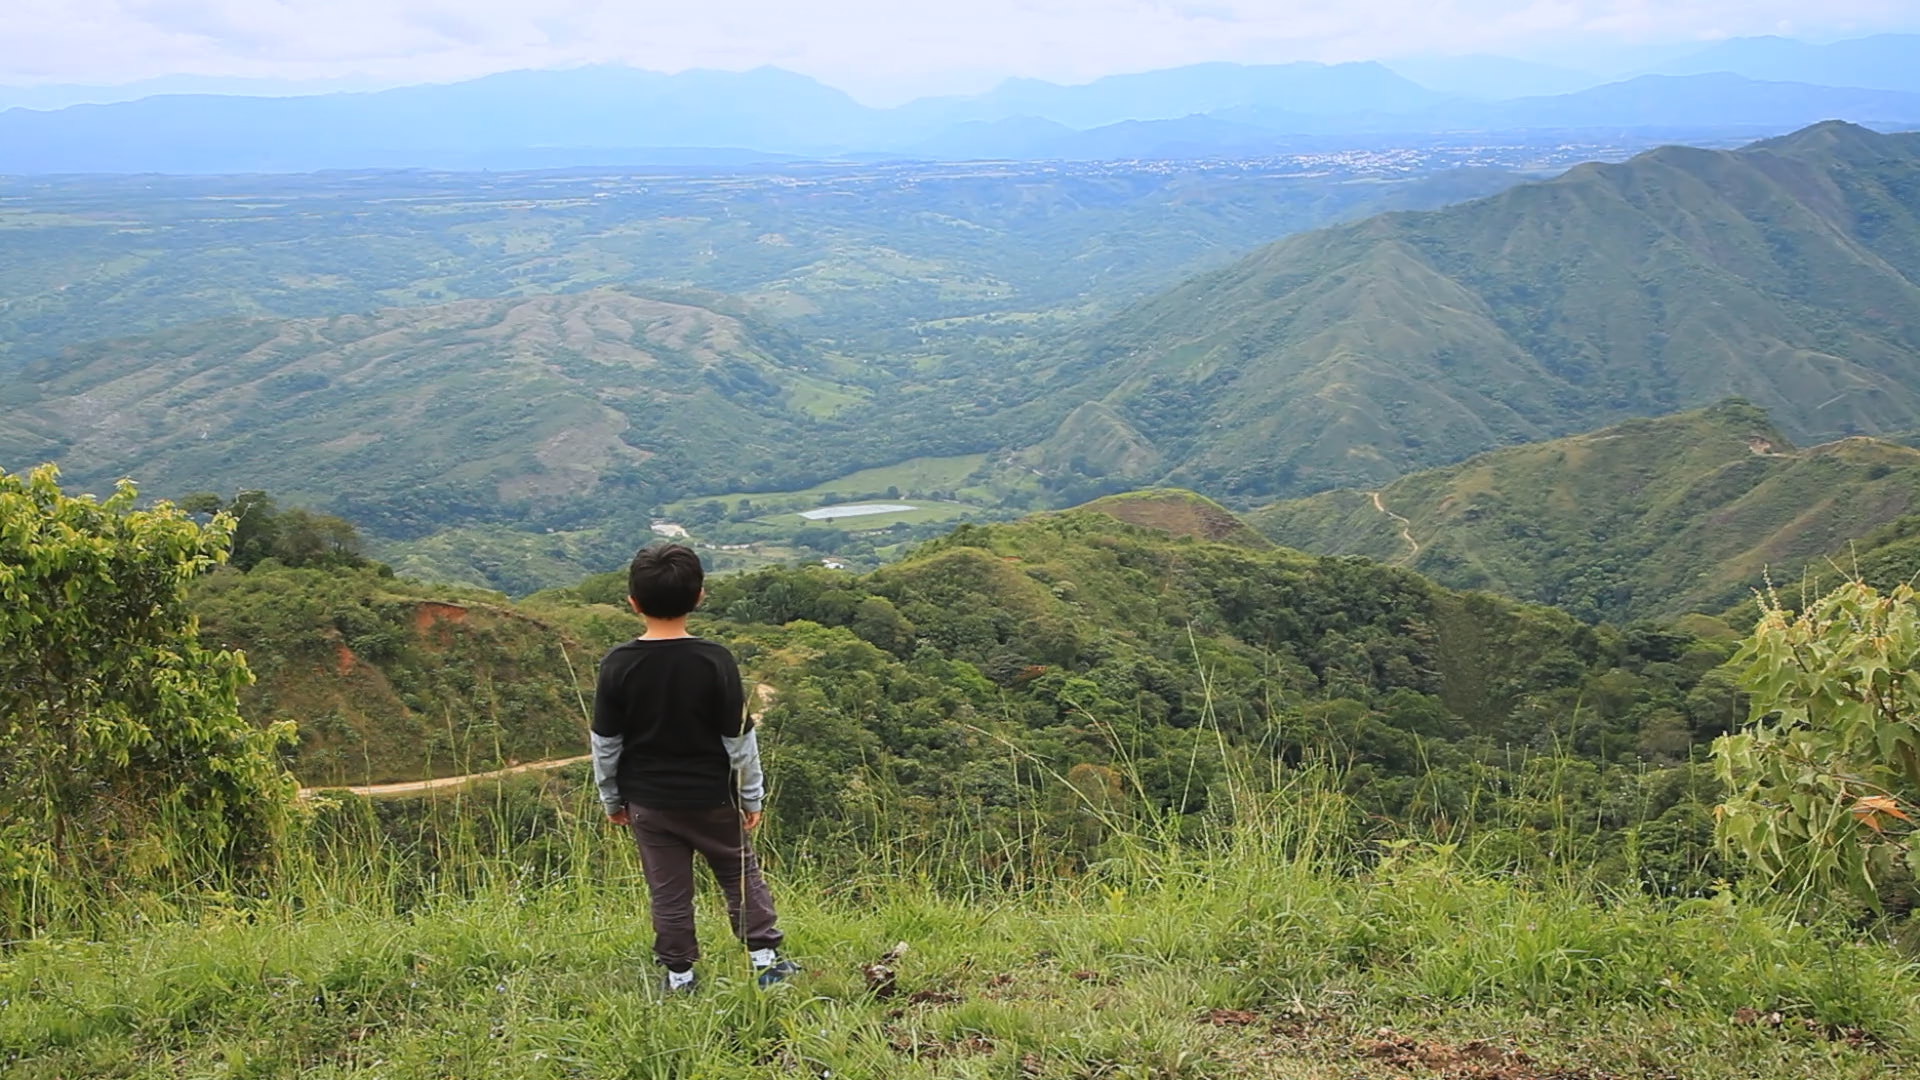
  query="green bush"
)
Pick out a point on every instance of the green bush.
point(124, 762)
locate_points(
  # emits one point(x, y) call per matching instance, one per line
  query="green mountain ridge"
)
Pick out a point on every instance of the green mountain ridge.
point(1787, 273)
point(523, 437)
point(1681, 513)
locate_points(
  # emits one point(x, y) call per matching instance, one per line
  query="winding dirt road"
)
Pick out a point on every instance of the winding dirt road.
point(1413, 546)
point(414, 787)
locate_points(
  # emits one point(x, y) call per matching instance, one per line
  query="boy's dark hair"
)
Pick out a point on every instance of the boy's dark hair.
point(665, 580)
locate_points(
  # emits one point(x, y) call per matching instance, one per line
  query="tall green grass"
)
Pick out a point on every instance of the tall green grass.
point(502, 929)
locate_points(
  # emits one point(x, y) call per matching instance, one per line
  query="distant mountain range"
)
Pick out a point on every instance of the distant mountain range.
point(619, 115)
point(1787, 273)
point(1881, 62)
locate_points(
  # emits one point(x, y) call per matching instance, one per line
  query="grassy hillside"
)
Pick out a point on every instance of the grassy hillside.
point(1787, 273)
point(1652, 517)
point(1178, 513)
point(1884, 558)
point(1064, 798)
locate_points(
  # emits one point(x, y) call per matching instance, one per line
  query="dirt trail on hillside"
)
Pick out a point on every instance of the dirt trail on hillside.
point(414, 787)
point(1413, 546)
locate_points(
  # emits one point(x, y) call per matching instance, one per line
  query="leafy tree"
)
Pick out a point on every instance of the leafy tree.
point(1825, 781)
point(124, 760)
point(295, 537)
point(309, 539)
point(819, 538)
point(256, 527)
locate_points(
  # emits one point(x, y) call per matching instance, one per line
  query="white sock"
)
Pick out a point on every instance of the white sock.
point(678, 979)
point(762, 958)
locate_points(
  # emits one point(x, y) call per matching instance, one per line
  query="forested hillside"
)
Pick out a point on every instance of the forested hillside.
point(1689, 512)
point(503, 377)
point(1787, 273)
point(391, 680)
point(986, 665)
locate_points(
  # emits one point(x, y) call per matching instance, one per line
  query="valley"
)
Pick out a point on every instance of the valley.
point(863, 252)
point(609, 375)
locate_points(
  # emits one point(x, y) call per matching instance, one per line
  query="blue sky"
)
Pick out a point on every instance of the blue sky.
point(880, 50)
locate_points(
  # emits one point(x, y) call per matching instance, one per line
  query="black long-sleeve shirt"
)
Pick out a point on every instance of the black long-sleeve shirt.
point(670, 726)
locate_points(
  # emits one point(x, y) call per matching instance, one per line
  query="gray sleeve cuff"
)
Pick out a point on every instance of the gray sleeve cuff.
point(744, 751)
point(606, 770)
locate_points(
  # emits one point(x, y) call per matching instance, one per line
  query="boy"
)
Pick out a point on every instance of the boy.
point(670, 735)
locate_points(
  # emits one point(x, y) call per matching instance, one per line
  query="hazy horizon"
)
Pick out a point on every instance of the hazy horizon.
point(873, 51)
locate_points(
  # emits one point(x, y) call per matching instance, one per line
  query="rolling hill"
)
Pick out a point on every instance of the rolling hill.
point(459, 357)
point(1787, 273)
point(529, 411)
point(1180, 514)
point(1648, 518)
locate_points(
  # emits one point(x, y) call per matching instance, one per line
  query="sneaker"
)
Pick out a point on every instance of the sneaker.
point(671, 985)
point(775, 973)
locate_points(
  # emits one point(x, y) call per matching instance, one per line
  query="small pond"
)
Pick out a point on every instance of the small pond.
point(826, 513)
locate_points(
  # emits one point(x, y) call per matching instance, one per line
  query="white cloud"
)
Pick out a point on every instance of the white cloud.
point(871, 44)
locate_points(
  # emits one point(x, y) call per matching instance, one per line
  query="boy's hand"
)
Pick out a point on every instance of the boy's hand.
point(750, 819)
point(618, 817)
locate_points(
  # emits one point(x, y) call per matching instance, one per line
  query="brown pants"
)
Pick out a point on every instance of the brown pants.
point(667, 841)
